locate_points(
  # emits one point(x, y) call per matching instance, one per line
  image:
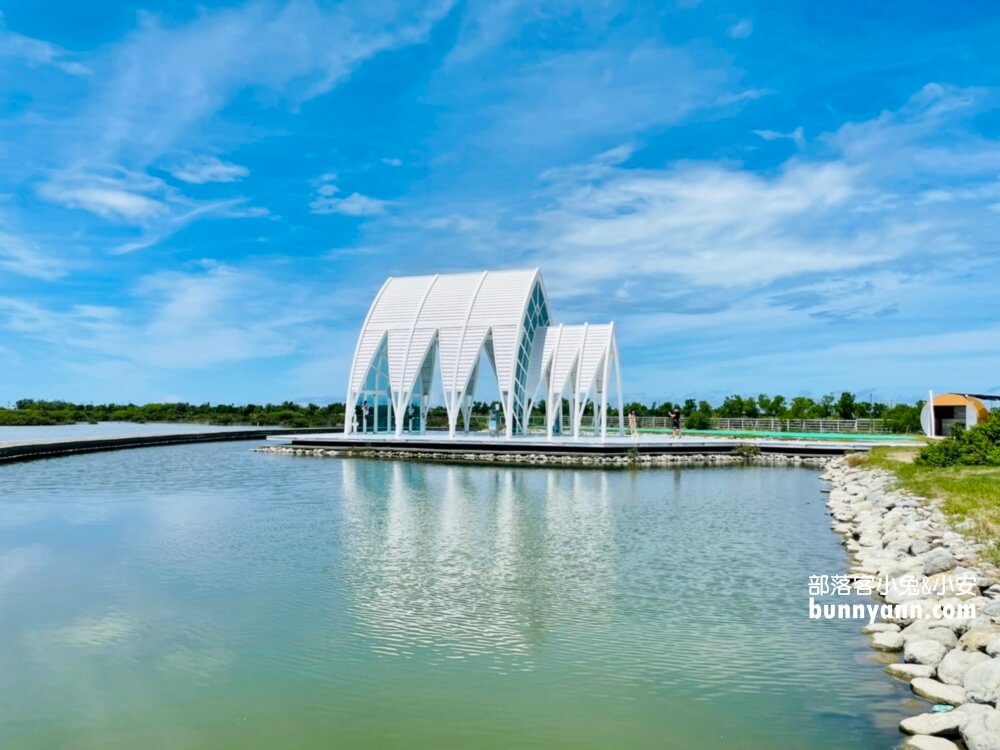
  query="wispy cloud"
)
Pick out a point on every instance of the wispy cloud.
point(716, 225)
point(155, 88)
point(354, 204)
point(214, 313)
point(797, 136)
point(705, 223)
point(183, 215)
point(201, 169)
point(592, 94)
point(298, 49)
point(23, 257)
point(327, 200)
point(741, 29)
point(119, 196)
point(747, 95)
point(36, 52)
point(700, 236)
point(138, 200)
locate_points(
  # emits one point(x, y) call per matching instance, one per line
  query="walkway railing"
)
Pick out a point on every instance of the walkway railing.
point(868, 426)
point(777, 425)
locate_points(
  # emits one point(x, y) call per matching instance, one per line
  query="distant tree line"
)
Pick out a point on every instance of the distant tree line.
point(288, 413)
point(697, 414)
point(899, 418)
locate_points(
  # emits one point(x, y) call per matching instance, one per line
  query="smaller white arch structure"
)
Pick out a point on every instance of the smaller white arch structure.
point(579, 362)
point(440, 328)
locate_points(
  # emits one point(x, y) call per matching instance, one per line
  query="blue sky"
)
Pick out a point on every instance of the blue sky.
point(198, 201)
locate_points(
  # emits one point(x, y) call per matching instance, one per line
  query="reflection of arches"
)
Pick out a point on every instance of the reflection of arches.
point(472, 562)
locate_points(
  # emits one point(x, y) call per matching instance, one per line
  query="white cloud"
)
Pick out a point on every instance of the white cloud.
point(741, 29)
point(36, 52)
point(154, 89)
point(748, 95)
point(210, 315)
point(711, 225)
point(183, 214)
point(914, 140)
point(797, 136)
point(201, 169)
point(615, 90)
point(392, 162)
point(106, 202)
point(21, 256)
point(695, 236)
point(163, 78)
point(456, 223)
point(355, 204)
point(138, 200)
point(487, 23)
point(118, 196)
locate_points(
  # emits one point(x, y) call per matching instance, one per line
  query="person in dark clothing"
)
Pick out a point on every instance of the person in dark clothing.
point(675, 422)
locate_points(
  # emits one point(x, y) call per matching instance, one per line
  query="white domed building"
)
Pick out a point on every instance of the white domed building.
point(426, 329)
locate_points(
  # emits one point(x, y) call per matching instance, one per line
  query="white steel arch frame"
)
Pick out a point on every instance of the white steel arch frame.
point(580, 358)
point(453, 404)
point(518, 408)
point(426, 320)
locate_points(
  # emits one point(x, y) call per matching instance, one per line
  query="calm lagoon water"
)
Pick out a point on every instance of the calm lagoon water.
point(206, 596)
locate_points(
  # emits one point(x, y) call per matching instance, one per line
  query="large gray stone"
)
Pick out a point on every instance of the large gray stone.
point(909, 672)
point(926, 742)
point(888, 641)
point(971, 709)
point(982, 682)
point(916, 632)
point(938, 560)
point(955, 664)
point(976, 638)
point(946, 724)
point(982, 731)
point(992, 609)
point(938, 692)
point(924, 651)
point(880, 627)
point(993, 645)
point(919, 547)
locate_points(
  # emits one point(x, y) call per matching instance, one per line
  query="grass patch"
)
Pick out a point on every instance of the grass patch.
point(968, 493)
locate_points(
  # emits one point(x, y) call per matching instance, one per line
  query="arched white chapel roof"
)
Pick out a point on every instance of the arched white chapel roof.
point(573, 356)
point(458, 311)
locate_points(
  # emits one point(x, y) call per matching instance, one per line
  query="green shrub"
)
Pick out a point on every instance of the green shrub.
point(698, 421)
point(979, 446)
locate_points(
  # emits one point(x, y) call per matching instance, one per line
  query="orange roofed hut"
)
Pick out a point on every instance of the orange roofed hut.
point(952, 409)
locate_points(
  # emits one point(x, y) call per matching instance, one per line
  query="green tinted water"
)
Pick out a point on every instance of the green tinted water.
point(209, 597)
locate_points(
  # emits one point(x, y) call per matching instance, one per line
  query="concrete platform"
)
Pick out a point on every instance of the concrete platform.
point(36, 449)
point(472, 443)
